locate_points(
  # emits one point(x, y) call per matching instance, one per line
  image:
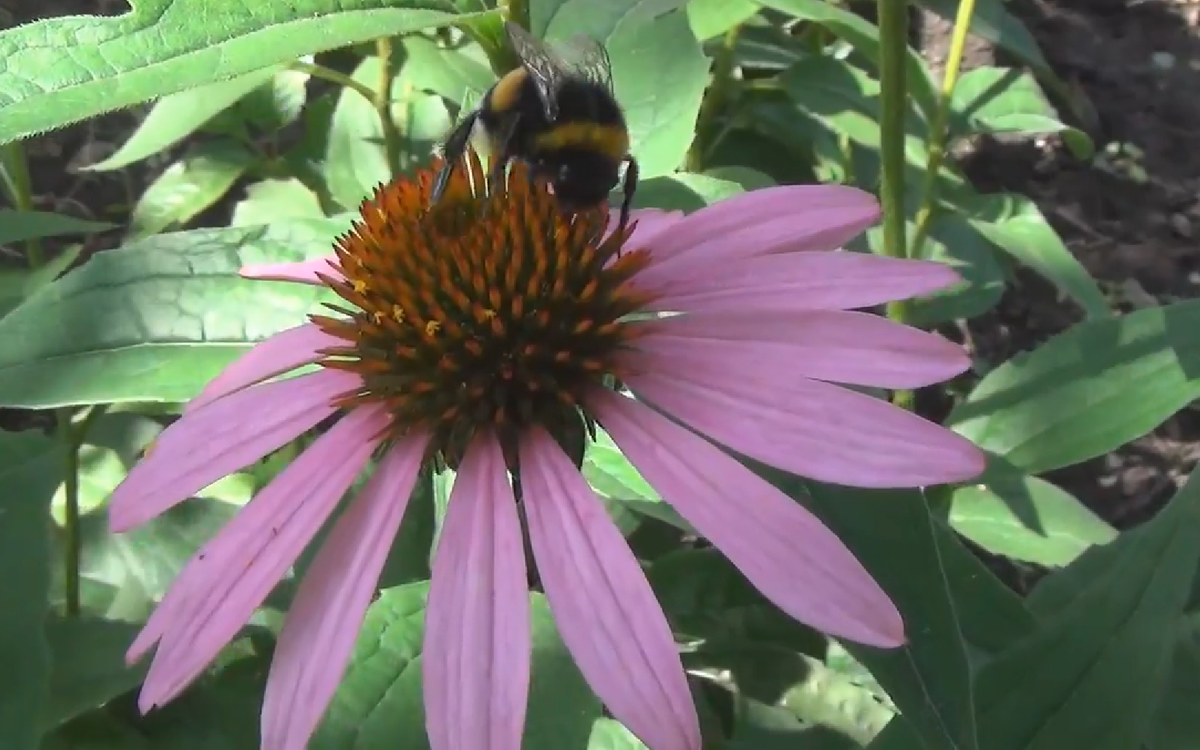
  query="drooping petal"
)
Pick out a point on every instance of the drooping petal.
point(813, 429)
point(475, 661)
point(782, 549)
point(844, 347)
point(606, 612)
point(300, 272)
point(796, 281)
point(251, 554)
point(782, 219)
point(324, 619)
point(221, 438)
point(276, 355)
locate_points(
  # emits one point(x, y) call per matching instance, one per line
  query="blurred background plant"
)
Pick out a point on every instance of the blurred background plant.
point(1051, 605)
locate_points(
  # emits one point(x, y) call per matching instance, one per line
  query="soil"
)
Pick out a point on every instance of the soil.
point(1131, 214)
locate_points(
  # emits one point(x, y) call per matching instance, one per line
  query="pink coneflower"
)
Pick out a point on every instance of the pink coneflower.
point(490, 338)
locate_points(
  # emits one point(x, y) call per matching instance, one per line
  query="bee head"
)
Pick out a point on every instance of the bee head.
point(583, 180)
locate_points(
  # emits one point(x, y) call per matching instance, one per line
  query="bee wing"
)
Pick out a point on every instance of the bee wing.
point(587, 57)
point(543, 64)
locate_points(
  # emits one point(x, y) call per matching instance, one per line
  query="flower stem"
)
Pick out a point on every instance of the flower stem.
point(714, 101)
point(333, 76)
point(383, 104)
point(937, 131)
point(14, 169)
point(893, 44)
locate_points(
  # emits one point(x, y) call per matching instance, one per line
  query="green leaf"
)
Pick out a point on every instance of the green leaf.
point(1069, 685)
point(893, 535)
point(355, 163)
point(1087, 391)
point(18, 226)
point(1016, 225)
point(30, 467)
point(687, 191)
point(275, 200)
point(864, 37)
point(18, 284)
point(1177, 724)
point(166, 46)
point(276, 103)
point(710, 18)
point(953, 241)
point(641, 35)
point(177, 116)
point(608, 734)
point(89, 669)
point(1026, 518)
point(189, 186)
point(156, 320)
point(446, 72)
point(615, 480)
point(759, 726)
point(379, 703)
point(1004, 100)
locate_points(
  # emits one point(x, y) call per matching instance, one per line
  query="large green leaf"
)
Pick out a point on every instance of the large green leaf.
point(1093, 674)
point(89, 665)
point(1005, 100)
point(641, 36)
point(157, 319)
point(1177, 723)
point(165, 46)
point(1026, 518)
point(894, 536)
point(355, 163)
point(1087, 391)
point(379, 703)
point(30, 467)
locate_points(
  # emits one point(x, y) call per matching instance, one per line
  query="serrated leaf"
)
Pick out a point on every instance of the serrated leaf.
point(1026, 518)
point(1087, 391)
point(166, 46)
point(30, 466)
point(155, 320)
point(380, 704)
point(18, 226)
point(189, 186)
point(1068, 684)
point(177, 116)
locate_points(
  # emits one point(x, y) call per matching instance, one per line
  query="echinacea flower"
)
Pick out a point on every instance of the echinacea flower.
point(488, 336)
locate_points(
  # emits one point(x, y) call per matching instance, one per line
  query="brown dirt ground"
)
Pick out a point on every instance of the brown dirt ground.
point(1137, 62)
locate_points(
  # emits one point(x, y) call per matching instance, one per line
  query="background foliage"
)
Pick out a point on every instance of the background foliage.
point(283, 111)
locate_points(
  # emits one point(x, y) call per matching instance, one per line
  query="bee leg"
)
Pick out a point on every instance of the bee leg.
point(629, 188)
point(454, 149)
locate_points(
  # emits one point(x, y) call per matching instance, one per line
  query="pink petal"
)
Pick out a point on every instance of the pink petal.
point(222, 437)
point(475, 661)
point(253, 552)
point(300, 272)
point(323, 622)
point(797, 281)
point(812, 428)
point(782, 549)
point(283, 352)
point(650, 221)
point(845, 347)
point(781, 219)
point(606, 612)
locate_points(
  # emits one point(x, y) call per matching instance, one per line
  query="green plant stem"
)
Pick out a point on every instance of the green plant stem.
point(937, 129)
point(74, 435)
point(893, 44)
point(516, 11)
point(333, 76)
point(19, 190)
point(383, 104)
point(714, 101)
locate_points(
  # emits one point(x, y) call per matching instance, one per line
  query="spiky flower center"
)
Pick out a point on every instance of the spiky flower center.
point(482, 313)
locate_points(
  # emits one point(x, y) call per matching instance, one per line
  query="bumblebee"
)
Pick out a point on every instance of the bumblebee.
point(558, 114)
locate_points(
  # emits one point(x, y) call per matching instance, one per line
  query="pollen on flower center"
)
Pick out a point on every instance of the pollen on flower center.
point(495, 312)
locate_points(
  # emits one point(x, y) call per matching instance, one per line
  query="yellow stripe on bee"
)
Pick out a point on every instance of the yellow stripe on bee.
point(606, 139)
point(507, 90)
